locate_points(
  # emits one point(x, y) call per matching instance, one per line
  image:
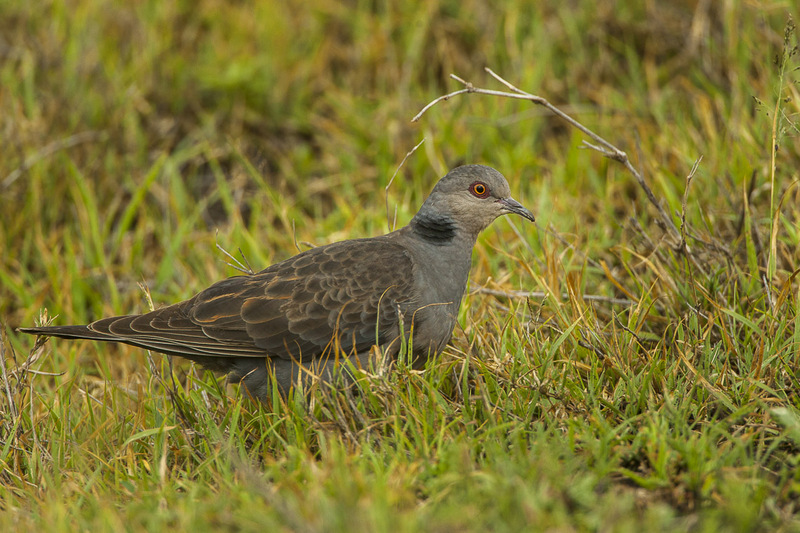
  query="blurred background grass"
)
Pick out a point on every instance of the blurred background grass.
point(136, 135)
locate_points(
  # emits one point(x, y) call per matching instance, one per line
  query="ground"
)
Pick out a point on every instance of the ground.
point(630, 362)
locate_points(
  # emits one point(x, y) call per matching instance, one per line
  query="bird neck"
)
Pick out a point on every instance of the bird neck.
point(435, 228)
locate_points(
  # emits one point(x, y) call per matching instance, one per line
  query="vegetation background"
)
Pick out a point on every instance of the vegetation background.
point(644, 376)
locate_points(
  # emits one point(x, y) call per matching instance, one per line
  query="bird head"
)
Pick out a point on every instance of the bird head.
point(473, 196)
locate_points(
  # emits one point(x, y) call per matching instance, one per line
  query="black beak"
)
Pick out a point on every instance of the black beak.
point(513, 206)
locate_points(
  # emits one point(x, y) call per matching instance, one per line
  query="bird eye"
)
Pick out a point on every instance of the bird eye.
point(479, 189)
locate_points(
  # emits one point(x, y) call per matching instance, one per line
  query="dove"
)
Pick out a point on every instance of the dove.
point(300, 319)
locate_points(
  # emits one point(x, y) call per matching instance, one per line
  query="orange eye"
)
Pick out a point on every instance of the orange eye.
point(479, 189)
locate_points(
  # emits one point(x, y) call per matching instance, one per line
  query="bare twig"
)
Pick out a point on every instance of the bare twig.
point(43, 373)
point(522, 239)
point(47, 151)
point(598, 143)
point(11, 406)
point(294, 237)
point(551, 231)
point(440, 99)
point(242, 266)
point(389, 221)
point(689, 178)
point(538, 294)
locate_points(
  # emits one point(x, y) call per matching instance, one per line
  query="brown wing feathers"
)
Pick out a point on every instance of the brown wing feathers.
point(291, 309)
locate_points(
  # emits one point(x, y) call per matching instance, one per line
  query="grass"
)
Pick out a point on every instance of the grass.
point(648, 381)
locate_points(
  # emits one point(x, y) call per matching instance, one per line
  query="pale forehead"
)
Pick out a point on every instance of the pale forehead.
point(463, 177)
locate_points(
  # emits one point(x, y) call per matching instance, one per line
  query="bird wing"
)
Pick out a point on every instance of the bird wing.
point(344, 294)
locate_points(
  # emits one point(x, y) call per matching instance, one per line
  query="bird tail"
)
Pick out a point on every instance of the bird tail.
point(101, 331)
point(68, 332)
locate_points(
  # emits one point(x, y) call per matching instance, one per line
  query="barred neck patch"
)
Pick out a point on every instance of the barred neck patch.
point(435, 228)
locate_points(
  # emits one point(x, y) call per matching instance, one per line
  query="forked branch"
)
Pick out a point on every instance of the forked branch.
point(597, 143)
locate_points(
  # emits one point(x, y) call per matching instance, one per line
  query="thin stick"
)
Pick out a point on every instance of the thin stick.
point(245, 267)
point(7, 386)
point(294, 237)
point(386, 190)
point(47, 151)
point(539, 295)
point(440, 99)
point(689, 178)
